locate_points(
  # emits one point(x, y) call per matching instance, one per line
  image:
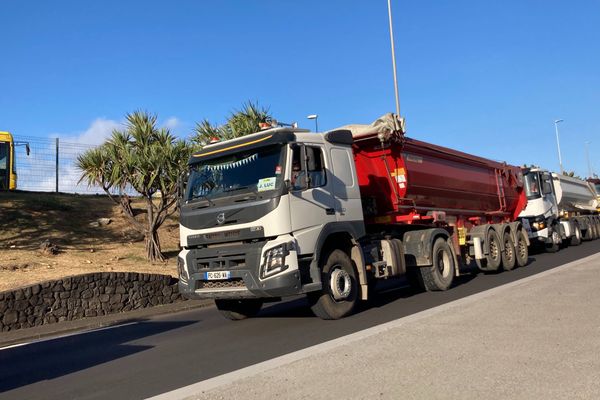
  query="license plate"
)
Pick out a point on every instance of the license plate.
point(217, 275)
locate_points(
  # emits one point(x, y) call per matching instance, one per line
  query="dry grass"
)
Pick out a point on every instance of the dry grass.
point(27, 219)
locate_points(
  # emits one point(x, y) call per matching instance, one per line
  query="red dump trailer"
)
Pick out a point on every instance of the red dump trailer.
point(410, 186)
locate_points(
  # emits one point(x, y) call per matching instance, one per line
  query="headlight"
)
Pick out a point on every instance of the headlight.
point(274, 260)
point(539, 225)
point(183, 275)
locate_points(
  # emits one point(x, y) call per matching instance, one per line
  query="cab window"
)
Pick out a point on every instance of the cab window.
point(308, 168)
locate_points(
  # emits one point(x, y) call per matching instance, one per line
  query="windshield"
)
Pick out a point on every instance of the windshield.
point(256, 171)
point(532, 185)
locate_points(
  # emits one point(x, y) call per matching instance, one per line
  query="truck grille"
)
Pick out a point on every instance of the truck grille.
point(232, 283)
point(228, 262)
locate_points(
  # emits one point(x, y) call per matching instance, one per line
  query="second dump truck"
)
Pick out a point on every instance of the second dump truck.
point(560, 209)
point(285, 212)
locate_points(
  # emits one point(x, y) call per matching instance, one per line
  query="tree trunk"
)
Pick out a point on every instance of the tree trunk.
point(153, 252)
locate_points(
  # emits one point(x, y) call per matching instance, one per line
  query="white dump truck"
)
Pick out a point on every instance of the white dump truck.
point(560, 209)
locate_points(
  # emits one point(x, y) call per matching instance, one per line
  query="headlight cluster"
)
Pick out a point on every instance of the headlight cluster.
point(539, 225)
point(274, 260)
point(183, 275)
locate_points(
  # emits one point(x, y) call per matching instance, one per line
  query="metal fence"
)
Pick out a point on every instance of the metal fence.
point(51, 166)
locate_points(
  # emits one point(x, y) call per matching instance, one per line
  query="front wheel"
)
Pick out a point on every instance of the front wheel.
point(236, 310)
point(339, 294)
point(576, 238)
point(555, 240)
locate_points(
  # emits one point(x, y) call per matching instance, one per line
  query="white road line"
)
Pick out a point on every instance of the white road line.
point(228, 378)
point(65, 335)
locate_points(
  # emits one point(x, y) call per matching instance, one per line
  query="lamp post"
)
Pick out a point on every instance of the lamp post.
point(315, 117)
point(393, 58)
point(556, 122)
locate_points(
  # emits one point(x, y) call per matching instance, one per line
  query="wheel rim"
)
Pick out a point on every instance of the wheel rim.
point(494, 249)
point(340, 284)
point(443, 263)
point(522, 248)
point(555, 237)
point(508, 250)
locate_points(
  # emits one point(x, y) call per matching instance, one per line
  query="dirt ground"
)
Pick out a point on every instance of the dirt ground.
point(28, 219)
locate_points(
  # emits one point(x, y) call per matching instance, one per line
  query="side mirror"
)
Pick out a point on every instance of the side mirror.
point(182, 184)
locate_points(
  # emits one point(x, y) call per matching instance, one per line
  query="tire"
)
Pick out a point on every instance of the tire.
point(236, 310)
point(555, 239)
point(441, 274)
point(339, 294)
point(493, 260)
point(594, 228)
point(521, 249)
point(589, 233)
point(575, 240)
point(509, 259)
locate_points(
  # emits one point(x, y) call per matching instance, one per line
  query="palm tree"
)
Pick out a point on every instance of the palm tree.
point(149, 160)
point(239, 123)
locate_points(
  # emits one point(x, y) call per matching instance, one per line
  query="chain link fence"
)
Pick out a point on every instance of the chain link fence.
point(51, 166)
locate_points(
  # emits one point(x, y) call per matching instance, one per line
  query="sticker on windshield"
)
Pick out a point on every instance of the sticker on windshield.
point(266, 184)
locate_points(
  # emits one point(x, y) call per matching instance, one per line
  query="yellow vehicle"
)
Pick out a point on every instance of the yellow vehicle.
point(8, 166)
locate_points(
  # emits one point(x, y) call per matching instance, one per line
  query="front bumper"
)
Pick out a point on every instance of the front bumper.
point(243, 262)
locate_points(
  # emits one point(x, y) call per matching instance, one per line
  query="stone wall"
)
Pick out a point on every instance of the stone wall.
point(82, 296)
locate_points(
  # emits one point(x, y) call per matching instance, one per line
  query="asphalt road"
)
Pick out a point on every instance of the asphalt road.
point(170, 351)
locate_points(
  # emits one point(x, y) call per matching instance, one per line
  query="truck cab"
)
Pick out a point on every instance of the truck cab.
point(258, 211)
point(540, 217)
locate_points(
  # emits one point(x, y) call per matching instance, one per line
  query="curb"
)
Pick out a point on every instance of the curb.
point(21, 336)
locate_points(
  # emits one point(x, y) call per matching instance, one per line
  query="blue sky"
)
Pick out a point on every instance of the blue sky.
point(484, 77)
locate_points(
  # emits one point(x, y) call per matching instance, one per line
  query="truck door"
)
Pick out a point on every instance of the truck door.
point(550, 201)
point(348, 205)
point(311, 201)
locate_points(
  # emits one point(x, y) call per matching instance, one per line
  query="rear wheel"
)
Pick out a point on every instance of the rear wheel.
point(521, 249)
point(575, 240)
point(441, 274)
point(508, 255)
point(493, 260)
point(236, 310)
point(339, 294)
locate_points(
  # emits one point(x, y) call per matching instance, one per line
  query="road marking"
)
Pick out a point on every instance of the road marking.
point(230, 377)
point(65, 336)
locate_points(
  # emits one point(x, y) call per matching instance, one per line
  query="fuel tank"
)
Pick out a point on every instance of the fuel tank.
point(400, 175)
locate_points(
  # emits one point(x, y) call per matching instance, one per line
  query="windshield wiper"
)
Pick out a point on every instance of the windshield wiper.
point(235, 189)
point(205, 197)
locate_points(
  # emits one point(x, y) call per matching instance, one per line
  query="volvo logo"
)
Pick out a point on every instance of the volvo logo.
point(220, 218)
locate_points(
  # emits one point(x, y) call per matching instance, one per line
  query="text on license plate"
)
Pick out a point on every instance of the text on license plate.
point(217, 275)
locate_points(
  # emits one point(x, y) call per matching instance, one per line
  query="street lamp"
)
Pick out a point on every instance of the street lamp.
point(393, 58)
point(315, 117)
point(556, 122)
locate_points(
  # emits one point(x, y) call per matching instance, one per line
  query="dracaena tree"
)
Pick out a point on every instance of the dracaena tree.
point(147, 159)
point(241, 122)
